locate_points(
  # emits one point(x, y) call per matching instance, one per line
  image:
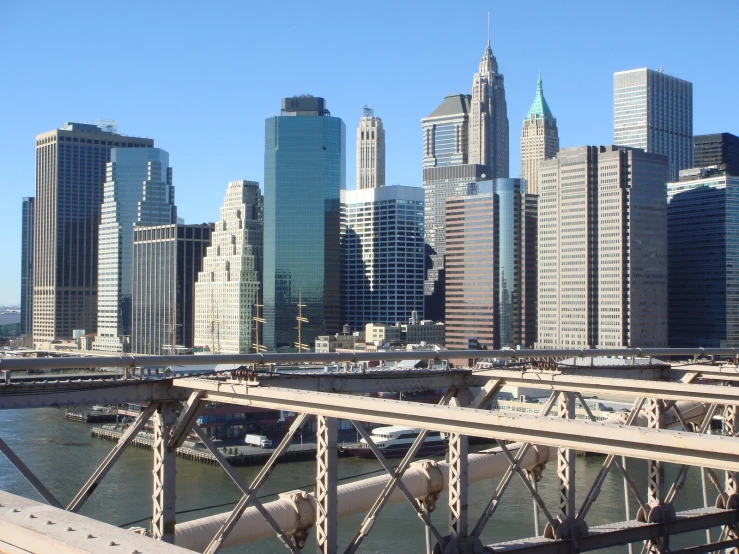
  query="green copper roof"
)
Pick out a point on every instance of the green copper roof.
point(539, 108)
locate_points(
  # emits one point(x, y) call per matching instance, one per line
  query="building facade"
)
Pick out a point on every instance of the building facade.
point(27, 226)
point(654, 111)
point(446, 174)
point(70, 175)
point(485, 282)
point(602, 249)
point(370, 151)
point(539, 139)
point(138, 191)
point(166, 262)
point(703, 225)
point(488, 121)
point(228, 285)
point(719, 149)
point(304, 172)
point(382, 255)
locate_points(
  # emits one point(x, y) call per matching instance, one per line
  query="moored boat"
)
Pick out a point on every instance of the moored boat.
point(394, 441)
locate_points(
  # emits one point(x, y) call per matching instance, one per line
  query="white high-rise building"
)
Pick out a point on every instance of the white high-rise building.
point(539, 139)
point(370, 151)
point(138, 191)
point(227, 288)
point(602, 249)
point(654, 111)
point(382, 256)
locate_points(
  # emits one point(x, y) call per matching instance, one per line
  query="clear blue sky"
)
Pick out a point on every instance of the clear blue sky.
point(201, 77)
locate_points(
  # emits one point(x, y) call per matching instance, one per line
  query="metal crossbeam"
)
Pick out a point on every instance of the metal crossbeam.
point(627, 532)
point(396, 476)
point(63, 393)
point(395, 481)
point(99, 474)
point(494, 502)
point(667, 446)
point(189, 415)
point(609, 384)
point(29, 475)
point(250, 493)
point(610, 460)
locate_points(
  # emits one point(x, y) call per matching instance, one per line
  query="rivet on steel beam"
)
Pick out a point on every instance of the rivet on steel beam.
point(15, 510)
point(90, 536)
point(112, 543)
point(69, 529)
point(30, 516)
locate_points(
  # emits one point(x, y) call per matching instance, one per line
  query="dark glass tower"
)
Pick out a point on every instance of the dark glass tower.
point(27, 223)
point(166, 262)
point(703, 250)
point(304, 172)
point(721, 149)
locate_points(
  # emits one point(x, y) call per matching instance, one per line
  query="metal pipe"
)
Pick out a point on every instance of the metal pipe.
point(422, 479)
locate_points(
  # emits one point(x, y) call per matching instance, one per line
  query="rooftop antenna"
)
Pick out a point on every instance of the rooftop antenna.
point(661, 70)
point(488, 29)
point(367, 111)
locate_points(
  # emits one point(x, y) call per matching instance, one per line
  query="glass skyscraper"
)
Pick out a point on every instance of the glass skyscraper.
point(27, 222)
point(138, 191)
point(304, 172)
point(703, 252)
point(485, 284)
point(654, 111)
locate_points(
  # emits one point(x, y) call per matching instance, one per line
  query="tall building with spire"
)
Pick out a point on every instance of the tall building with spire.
point(488, 121)
point(227, 288)
point(370, 151)
point(539, 139)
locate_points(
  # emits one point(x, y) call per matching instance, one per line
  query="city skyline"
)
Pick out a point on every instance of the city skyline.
point(579, 86)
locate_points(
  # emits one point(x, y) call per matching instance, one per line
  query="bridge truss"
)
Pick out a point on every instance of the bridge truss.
point(689, 393)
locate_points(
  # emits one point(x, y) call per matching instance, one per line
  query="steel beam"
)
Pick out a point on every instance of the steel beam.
point(29, 475)
point(60, 394)
point(623, 533)
point(609, 384)
point(388, 379)
point(458, 475)
point(395, 481)
point(602, 437)
point(513, 468)
point(566, 463)
point(132, 361)
point(99, 474)
point(326, 479)
point(164, 472)
point(189, 415)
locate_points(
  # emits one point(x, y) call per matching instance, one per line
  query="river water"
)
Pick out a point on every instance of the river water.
point(63, 455)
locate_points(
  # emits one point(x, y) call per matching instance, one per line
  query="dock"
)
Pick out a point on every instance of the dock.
point(237, 455)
